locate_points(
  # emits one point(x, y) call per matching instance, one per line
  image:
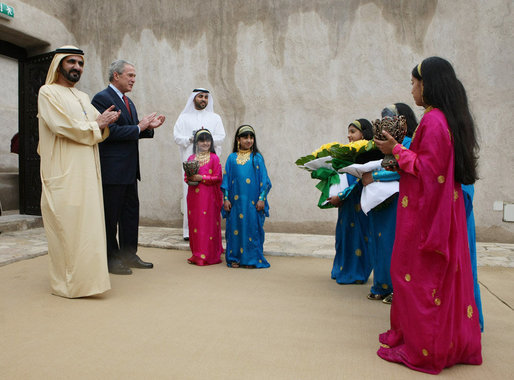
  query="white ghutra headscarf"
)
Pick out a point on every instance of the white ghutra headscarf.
point(190, 105)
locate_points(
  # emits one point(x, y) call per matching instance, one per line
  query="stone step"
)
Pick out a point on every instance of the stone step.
point(9, 197)
point(17, 222)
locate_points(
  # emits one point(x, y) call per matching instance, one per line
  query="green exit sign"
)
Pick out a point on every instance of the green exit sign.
point(6, 11)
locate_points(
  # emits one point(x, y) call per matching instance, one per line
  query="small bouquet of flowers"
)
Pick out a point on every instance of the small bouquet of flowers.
point(191, 168)
point(327, 162)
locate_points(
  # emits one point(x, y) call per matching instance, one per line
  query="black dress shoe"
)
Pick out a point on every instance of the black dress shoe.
point(136, 262)
point(186, 238)
point(117, 267)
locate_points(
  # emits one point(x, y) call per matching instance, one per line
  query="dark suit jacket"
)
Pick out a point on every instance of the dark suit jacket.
point(119, 153)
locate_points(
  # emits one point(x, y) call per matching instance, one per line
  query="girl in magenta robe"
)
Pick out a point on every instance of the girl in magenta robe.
point(204, 202)
point(434, 319)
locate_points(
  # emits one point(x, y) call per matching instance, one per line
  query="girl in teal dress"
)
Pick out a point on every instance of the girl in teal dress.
point(469, 191)
point(352, 262)
point(382, 219)
point(245, 187)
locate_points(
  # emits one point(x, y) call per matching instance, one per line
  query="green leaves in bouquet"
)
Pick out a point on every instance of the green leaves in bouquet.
point(303, 160)
point(345, 155)
point(338, 163)
point(370, 145)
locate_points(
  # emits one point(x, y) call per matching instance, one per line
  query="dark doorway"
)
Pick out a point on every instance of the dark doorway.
point(32, 76)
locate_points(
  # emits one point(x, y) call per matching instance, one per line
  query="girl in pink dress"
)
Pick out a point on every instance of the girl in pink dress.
point(204, 201)
point(434, 318)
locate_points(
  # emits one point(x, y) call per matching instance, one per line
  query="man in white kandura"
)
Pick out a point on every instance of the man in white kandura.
point(70, 129)
point(197, 114)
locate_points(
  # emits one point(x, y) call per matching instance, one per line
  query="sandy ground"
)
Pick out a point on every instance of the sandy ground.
point(179, 321)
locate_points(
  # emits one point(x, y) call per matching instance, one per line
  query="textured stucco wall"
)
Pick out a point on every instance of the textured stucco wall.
point(35, 31)
point(299, 71)
point(8, 113)
point(37, 25)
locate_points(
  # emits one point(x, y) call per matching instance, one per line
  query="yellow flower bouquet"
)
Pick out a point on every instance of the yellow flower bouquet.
point(336, 156)
point(324, 163)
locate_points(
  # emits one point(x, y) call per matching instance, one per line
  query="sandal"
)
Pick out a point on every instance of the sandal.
point(388, 300)
point(234, 265)
point(193, 260)
point(376, 297)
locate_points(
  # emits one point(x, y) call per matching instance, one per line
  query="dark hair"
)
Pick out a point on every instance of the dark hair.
point(255, 150)
point(412, 122)
point(442, 89)
point(204, 136)
point(366, 128)
point(367, 134)
point(403, 110)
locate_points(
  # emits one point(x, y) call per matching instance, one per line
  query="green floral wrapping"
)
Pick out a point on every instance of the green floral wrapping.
point(325, 161)
point(327, 178)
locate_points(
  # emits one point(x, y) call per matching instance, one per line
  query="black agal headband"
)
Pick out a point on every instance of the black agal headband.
point(69, 51)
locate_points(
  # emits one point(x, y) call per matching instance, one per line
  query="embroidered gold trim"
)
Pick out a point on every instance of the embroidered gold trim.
point(243, 156)
point(470, 311)
point(246, 128)
point(203, 158)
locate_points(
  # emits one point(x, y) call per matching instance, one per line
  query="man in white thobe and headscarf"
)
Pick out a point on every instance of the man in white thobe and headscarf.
point(197, 114)
point(70, 129)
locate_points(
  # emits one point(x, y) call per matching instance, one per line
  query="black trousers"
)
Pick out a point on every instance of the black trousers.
point(121, 208)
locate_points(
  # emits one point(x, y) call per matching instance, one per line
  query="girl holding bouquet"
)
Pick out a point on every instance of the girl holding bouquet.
point(245, 188)
point(352, 263)
point(204, 202)
point(434, 317)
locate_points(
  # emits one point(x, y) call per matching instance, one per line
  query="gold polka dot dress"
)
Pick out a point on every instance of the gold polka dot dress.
point(245, 183)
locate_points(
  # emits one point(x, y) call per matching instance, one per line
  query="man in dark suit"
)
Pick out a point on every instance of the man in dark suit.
point(119, 158)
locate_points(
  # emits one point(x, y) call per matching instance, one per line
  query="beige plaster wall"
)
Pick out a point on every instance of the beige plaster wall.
point(299, 71)
point(37, 25)
point(8, 113)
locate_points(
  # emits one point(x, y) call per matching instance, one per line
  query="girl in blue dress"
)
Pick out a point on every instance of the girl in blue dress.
point(382, 219)
point(245, 188)
point(352, 262)
point(469, 191)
